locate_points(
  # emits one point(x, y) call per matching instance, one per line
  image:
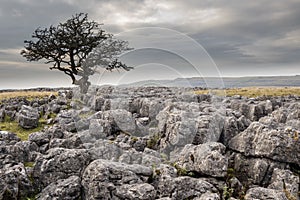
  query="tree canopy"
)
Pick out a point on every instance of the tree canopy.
point(76, 47)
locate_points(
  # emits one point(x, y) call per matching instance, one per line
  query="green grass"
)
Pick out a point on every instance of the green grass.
point(28, 94)
point(13, 127)
point(254, 91)
point(153, 140)
point(29, 164)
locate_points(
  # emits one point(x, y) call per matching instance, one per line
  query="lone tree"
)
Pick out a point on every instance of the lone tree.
point(76, 47)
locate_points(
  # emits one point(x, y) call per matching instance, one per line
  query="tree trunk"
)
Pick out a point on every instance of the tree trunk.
point(83, 84)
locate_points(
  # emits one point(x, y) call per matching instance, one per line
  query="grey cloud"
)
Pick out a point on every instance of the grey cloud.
point(20, 18)
point(262, 35)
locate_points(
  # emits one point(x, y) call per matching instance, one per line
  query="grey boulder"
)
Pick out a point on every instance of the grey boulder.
point(67, 189)
point(104, 179)
point(208, 159)
point(259, 140)
point(28, 117)
point(60, 163)
point(285, 180)
point(15, 183)
point(264, 193)
point(184, 187)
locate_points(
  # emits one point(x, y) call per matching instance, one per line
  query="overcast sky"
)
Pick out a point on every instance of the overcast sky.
point(172, 38)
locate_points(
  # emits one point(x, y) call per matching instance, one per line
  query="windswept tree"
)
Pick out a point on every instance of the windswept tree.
point(76, 47)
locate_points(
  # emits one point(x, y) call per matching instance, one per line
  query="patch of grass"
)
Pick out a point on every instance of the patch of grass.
point(28, 94)
point(134, 139)
point(227, 192)
point(184, 172)
point(85, 115)
point(28, 164)
point(180, 171)
point(254, 91)
point(52, 115)
point(13, 126)
point(230, 173)
point(33, 197)
point(153, 140)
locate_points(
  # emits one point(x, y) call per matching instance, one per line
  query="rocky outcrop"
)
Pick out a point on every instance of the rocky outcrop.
point(15, 182)
point(104, 179)
point(185, 188)
point(151, 143)
point(28, 117)
point(260, 140)
point(205, 159)
point(69, 189)
point(264, 193)
point(60, 163)
point(285, 180)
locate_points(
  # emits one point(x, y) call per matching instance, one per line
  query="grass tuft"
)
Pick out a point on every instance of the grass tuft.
point(29, 164)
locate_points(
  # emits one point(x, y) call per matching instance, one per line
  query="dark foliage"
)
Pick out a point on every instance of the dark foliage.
point(76, 47)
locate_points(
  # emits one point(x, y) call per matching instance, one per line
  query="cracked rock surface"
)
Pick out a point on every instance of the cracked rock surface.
point(151, 143)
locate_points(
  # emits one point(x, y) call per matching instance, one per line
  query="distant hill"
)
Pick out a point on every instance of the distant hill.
point(226, 82)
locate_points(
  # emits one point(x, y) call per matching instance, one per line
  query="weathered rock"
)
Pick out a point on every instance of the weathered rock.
point(28, 117)
point(251, 110)
point(177, 128)
point(72, 142)
point(264, 193)
point(259, 140)
point(144, 110)
point(243, 123)
point(285, 180)
point(61, 100)
point(139, 143)
point(137, 129)
point(236, 186)
point(294, 111)
point(280, 115)
point(60, 163)
point(103, 149)
point(68, 189)
point(67, 119)
point(136, 191)
point(40, 138)
point(15, 183)
point(184, 187)
point(11, 114)
point(208, 196)
point(186, 123)
point(82, 124)
point(131, 156)
point(51, 97)
point(151, 158)
point(205, 159)
point(231, 129)
point(104, 179)
point(118, 104)
point(99, 103)
point(209, 128)
point(169, 186)
point(2, 115)
point(9, 138)
point(120, 120)
point(55, 108)
point(254, 171)
point(124, 121)
point(100, 128)
point(24, 151)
